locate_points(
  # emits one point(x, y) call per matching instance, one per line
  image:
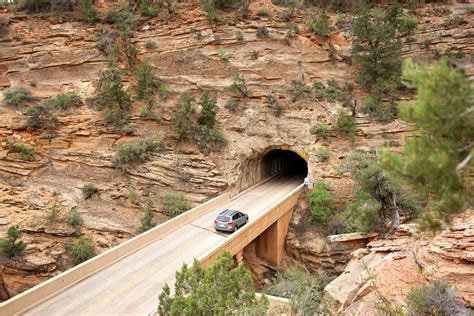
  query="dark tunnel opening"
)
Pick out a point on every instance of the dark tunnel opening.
point(285, 162)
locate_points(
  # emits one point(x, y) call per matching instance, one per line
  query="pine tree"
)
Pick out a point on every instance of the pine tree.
point(437, 160)
point(219, 289)
point(183, 118)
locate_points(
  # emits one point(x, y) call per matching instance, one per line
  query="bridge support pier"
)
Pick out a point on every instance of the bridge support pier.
point(270, 245)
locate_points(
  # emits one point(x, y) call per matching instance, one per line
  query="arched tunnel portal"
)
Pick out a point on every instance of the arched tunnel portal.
point(284, 162)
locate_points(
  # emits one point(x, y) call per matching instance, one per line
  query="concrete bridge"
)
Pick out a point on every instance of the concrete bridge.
point(127, 279)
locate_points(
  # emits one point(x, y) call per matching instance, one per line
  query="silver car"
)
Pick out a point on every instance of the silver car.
point(230, 220)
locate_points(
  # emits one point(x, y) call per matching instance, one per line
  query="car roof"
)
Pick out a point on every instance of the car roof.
point(228, 212)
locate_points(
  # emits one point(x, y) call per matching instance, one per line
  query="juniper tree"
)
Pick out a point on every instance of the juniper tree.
point(146, 222)
point(10, 246)
point(183, 118)
point(376, 47)
point(220, 289)
point(437, 159)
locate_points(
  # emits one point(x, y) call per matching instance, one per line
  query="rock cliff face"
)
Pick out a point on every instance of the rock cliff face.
point(50, 56)
point(390, 267)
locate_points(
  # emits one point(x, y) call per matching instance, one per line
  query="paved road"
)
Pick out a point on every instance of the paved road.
point(131, 285)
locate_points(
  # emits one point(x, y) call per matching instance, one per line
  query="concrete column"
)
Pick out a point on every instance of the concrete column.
point(270, 245)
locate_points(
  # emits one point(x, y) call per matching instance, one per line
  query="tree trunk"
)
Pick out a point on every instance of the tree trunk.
point(395, 215)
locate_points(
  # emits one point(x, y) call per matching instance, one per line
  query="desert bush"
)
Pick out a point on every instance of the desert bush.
point(262, 31)
point(436, 297)
point(380, 196)
point(151, 45)
point(239, 35)
point(164, 91)
point(320, 130)
point(11, 246)
point(146, 221)
point(252, 54)
point(223, 54)
point(106, 40)
point(88, 11)
point(147, 112)
point(263, 12)
point(41, 117)
point(81, 250)
point(322, 154)
point(147, 82)
point(304, 290)
point(135, 151)
point(24, 150)
point(75, 218)
point(206, 138)
point(64, 101)
point(17, 96)
point(132, 194)
point(345, 123)
point(88, 190)
point(232, 105)
point(299, 90)
point(319, 25)
point(239, 86)
point(148, 9)
point(320, 202)
point(175, 204)
point(53, 212)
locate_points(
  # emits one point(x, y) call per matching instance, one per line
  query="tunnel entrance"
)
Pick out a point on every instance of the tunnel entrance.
point(286, 162)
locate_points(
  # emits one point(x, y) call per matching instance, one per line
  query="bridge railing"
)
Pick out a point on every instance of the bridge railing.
point(249, 232)
point(42, 291)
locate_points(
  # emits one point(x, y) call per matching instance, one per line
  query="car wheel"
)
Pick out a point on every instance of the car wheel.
point(246, 220)
point(235, 228)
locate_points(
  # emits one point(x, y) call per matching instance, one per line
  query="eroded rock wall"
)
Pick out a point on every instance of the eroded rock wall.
point(50, 56)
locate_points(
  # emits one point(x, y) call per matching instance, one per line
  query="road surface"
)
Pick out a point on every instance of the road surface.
point(131, 285)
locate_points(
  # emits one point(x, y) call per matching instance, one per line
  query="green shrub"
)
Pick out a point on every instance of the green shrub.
point(320, 202)
point(88, 190)
point(147, 112)
point(320, 130)
point(305, 292)
point(146, 222)
point(346, 123)
point(232, 105)
point(81, 250)
point(183, 117)
point(263, 12)
point(147, 82)
point(437, 297)
point(319, 90)
point(25, 151)
point(64, 101)
point(299, 90)
point(11, 246)
point(319, 25)
point(380, 196)
point(88, 11)
point(135, 151)
point(322, 154)
point(147, 9)
point(164, 91)
point(53, 212)
point(41, 117)
point(132, 194)
point(17, 96)
point(206, 138)
point(175, 204)
point(75, 218)
point(107, 40)
point(239, 86)
point(262, 31)
point(224, 54)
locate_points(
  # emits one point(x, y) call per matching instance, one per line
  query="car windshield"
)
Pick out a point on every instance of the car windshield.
point(222, 218)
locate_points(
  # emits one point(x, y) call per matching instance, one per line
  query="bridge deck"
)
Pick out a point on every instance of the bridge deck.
point(131, 285)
